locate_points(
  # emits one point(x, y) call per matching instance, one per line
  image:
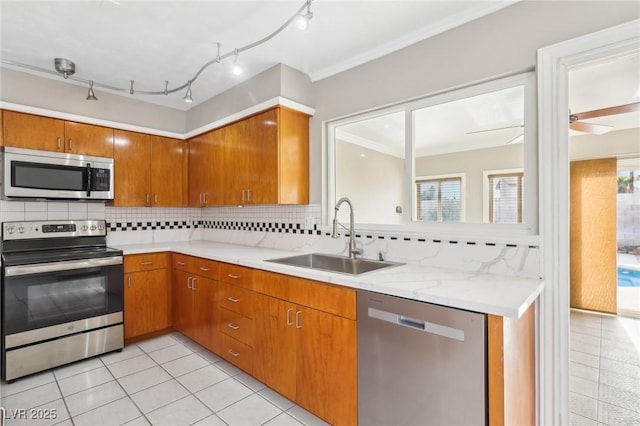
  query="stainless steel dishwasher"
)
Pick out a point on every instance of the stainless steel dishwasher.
point(419, 364)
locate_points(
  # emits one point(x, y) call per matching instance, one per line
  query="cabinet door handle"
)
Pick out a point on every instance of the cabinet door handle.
point(233, 353)
point(233, 276)
point(193, 285)
point(233, 326)
point(202, 268)
point(189, 279)
point(298, 324)
point(289, 316)
point(155, 198)
point(180, 263)
point(249, 195)
point(204, 198)
point(59, 142)
point(243, 196)
point(70, 144)
point(129, 281)
point(233, 299)
point(148, 200)
point(146, 263)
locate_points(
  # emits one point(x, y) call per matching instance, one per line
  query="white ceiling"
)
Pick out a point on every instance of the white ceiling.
point(113, 42)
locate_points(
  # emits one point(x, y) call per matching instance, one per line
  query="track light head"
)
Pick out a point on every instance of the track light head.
point(187, 98)
point(91, 96)
point(302, 20)
point(236, 69)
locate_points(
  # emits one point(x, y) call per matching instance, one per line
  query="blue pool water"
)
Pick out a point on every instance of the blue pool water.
point(628, 277)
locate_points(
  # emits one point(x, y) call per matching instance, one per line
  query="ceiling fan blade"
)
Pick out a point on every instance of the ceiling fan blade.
point(620, 109)
point(494, 129)
point(594, 129)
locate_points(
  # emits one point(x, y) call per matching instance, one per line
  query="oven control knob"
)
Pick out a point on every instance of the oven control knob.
point(11, 230)
point(93, 227)
point(84, 228)
point(21, 230)
point(100, 228)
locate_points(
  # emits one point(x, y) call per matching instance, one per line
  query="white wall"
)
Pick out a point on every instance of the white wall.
point(374, 183)
point(620, 143)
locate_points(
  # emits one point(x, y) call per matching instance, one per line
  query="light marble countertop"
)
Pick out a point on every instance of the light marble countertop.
point(505, 296)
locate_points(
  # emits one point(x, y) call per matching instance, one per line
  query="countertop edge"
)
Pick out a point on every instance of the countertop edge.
point(531, 288)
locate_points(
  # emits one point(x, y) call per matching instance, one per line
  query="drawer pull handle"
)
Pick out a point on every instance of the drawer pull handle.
point(233, 353)
point(181, 263)
point(235, 277)
point(202, 268)
point(233, 326)
point(233, 299)
point(146, 263)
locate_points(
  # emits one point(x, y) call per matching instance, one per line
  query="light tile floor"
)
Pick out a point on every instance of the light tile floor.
point(168, 380)
point(604, 369)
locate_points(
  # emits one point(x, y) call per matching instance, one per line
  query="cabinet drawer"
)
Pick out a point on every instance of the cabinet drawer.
point(237, 326)
point(236, 299)
point(237, 353)
point(144, 262)
point(182, 262)
point(206, 268)
point(235, 274)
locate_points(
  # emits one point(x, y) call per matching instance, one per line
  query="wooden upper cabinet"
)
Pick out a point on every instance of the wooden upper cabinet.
point(132, 153)
point(86, 139)
point(269, 154)
point(149, 170)
point(207, 169)
point(32, 131)
point(51, 134)
point(262, 159)
point(168, 172)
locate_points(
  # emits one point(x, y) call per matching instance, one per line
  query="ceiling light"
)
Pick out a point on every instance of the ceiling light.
point(91, 96)
point(236, 69)
point(67, 68)
point(187, 98)
point(302, 21)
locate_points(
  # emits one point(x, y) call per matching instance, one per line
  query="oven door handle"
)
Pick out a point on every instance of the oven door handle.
point(40, 268)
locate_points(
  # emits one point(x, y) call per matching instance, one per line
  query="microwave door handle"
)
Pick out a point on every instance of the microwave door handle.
point(88, 179)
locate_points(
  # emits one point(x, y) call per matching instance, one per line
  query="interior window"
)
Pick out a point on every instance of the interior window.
point(397, 164)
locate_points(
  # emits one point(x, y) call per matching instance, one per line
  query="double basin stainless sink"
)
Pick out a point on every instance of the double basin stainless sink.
point(333, 263)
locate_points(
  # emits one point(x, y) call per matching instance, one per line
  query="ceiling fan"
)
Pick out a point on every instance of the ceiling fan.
point(575, 122)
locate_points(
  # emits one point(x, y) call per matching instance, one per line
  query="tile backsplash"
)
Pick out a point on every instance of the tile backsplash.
point(293, 228)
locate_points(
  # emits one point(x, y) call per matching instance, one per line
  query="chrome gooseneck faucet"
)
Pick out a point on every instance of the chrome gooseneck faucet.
point(352, 242)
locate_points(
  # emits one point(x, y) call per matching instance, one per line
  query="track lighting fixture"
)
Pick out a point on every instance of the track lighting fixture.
point(91, 96)
point(302, 21)
point(187, 98)
point(67, 68)
point(236, 69)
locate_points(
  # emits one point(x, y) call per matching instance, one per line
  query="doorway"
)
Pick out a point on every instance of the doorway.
point(554, 333)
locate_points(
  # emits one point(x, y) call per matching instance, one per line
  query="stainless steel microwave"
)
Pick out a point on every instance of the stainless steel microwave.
point(51, 175)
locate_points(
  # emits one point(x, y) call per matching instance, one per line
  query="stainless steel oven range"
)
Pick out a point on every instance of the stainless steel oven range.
point(62, 295)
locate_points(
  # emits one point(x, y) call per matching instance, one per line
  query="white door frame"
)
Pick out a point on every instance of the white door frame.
point(553, 117)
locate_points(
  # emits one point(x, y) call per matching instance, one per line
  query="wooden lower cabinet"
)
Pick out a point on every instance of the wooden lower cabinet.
point(194, 299)
point(146, 294)
point(307, 355)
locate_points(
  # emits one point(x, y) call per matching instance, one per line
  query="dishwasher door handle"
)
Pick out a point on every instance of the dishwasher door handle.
point(416, 324)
